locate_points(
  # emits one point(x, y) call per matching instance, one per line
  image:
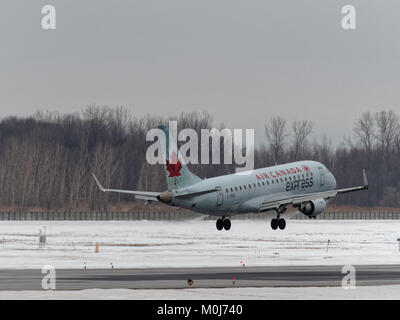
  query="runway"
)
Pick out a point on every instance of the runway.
point(215, 277)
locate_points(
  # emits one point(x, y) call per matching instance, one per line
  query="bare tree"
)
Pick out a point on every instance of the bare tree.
point(391, 197)
point(364, 129)
point(387, 123)
point(276, 132)
point(302, 129)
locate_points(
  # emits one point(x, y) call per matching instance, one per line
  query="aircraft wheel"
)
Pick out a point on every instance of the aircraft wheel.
point(220, 224)
point(274, 224)
point(227, 224)
point(281, 224)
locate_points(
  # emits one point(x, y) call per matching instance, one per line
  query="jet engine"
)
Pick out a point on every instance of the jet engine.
point(165, 197)
point(312, 208)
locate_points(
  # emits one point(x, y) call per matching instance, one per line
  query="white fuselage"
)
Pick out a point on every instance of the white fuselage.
point(244, 192)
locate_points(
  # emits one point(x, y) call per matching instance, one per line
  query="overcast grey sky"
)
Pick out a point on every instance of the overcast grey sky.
point(242, 61)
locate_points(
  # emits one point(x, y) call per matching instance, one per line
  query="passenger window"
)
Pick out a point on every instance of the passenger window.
point(249, 186)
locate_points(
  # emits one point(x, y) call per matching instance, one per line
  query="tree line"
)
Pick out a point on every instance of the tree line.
point(46, 159)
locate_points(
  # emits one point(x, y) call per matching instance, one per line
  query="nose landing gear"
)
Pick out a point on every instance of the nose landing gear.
point(223, 224)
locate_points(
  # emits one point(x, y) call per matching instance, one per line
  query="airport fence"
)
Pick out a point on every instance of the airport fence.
point(180, 215)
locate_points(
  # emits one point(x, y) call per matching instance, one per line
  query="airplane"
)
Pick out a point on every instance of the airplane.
point(304, 185)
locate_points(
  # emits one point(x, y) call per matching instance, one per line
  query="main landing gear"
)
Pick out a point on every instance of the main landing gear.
point(223, 224)
point(279, 222)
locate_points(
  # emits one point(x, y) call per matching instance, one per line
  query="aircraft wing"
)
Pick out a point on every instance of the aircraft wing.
point(143, 195)
point(153, 196)
point(297, 199)
point(197, 193)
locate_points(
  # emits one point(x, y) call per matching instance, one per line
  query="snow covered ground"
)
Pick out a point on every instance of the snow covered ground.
point(132, 244)
point(309, 293)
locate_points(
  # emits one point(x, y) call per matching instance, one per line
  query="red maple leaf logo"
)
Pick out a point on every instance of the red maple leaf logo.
point(306, 169)
point(174, 168)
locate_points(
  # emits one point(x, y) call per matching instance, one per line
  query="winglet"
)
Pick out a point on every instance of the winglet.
point(365, 180)
point(98, 183)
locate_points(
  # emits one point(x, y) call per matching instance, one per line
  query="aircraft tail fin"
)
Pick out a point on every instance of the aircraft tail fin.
point(177, 173)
